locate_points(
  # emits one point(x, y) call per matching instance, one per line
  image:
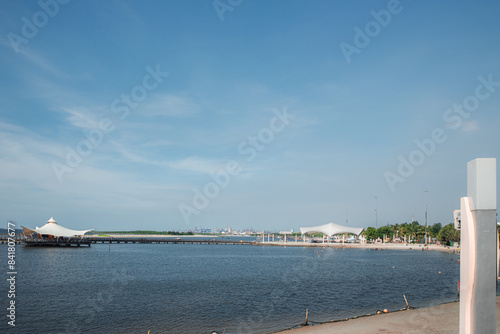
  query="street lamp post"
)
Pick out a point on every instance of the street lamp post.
point(425, 191)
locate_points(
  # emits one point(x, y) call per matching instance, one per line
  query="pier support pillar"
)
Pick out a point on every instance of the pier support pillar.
point(478, 249)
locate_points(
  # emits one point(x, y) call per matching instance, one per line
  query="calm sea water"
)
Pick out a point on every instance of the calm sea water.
point(175, 288)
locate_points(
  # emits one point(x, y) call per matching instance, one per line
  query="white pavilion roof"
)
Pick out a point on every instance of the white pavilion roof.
point(331, 229)
point(53, 228)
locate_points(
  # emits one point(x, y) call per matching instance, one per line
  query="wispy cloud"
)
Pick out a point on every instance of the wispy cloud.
point(130, 156)
point(81, 117)
point(191, 164)
point(470, 126)
point(25, 160)
point(25, 156)
point(196, 164)
point(169, 105)
point(17, 141)
point(158, 143)
point(40, 62)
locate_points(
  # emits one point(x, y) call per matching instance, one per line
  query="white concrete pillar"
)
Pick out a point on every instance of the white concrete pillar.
point(478, 249)
point(498, 254)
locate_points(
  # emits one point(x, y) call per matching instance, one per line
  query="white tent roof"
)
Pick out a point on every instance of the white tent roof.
point(52, 228)
point(331, 229)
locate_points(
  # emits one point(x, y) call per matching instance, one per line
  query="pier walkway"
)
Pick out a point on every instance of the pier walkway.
point(166, 240)
point(87, 241)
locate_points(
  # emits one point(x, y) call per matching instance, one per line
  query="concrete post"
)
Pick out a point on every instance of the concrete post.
point(498, 253)
point(478, 243)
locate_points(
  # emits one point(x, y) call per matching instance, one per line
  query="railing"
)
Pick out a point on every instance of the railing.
point(149, 240)
point(87, 240)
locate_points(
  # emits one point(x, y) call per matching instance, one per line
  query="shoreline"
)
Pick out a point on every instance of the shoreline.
point(443, 318)
point(379, 246)
point(386, 246)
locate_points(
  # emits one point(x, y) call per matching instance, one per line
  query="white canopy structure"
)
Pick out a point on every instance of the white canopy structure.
point(55, 230)
point(331, 229)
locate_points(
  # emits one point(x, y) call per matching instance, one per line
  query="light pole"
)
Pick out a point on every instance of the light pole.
point(376, 212)
point(425, 191)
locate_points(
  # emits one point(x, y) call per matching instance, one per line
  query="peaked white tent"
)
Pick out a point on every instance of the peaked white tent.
point(331, 229)
point(55, 230)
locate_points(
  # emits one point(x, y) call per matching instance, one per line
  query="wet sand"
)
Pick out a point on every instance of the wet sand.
point(437, 319)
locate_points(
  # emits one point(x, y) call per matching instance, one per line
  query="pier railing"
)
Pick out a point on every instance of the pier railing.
point(88, 240)
point(56, 242)
point(166, 240)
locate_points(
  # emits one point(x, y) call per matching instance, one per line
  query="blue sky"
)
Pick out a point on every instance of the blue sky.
point(67, 69)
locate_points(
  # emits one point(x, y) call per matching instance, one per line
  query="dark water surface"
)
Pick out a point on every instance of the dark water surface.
point(175, 288)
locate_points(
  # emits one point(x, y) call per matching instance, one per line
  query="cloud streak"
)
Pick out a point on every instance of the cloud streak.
point(170, 105)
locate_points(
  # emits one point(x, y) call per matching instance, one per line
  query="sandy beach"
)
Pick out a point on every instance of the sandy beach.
point(380, 246)
point(437, 319)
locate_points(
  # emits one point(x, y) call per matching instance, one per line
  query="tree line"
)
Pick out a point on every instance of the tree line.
point(414, 232)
